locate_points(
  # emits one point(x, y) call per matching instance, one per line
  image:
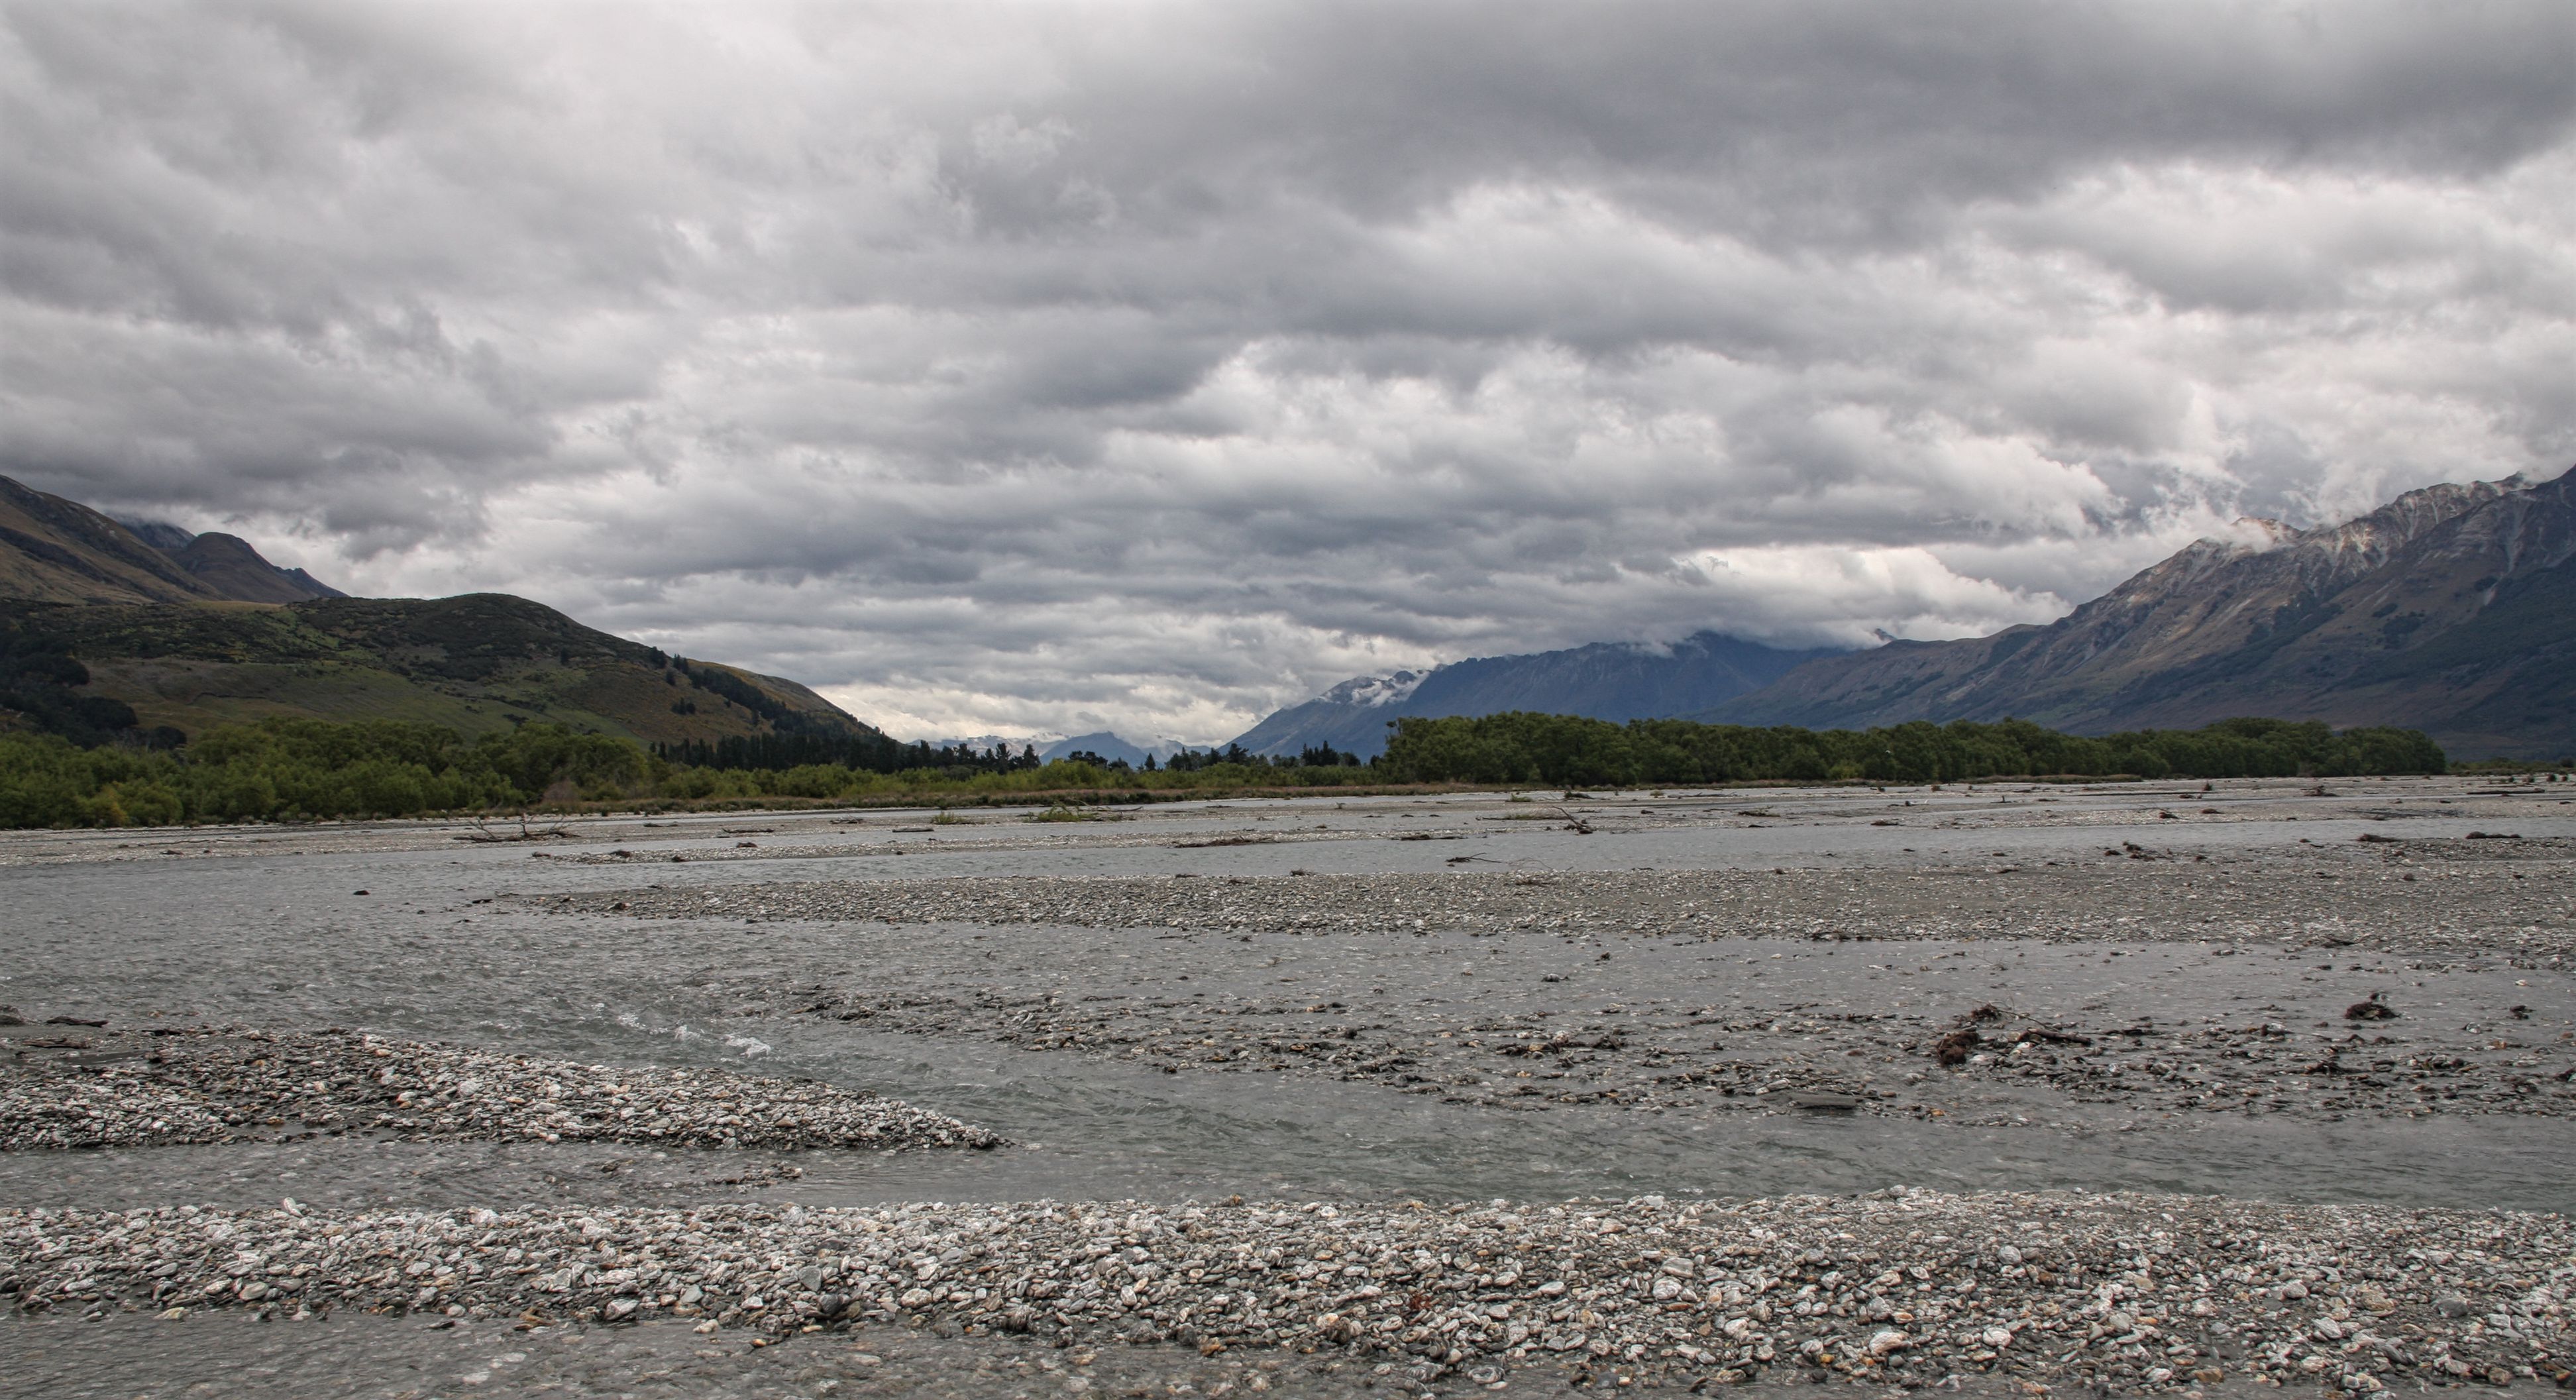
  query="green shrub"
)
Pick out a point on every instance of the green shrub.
point(301, 769)
point(1568, 750)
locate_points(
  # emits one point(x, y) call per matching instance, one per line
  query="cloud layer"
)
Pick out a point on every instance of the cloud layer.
point(1069, 366)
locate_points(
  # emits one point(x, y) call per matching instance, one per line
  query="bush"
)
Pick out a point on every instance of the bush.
point(1568, 750)
point(302, 768)
point(296, 769)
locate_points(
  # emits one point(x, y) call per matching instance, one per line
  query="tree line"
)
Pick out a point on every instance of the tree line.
point(302, 769)
point(875, 753)
point(866, 753)
point(1570, 750)
point(306, 768)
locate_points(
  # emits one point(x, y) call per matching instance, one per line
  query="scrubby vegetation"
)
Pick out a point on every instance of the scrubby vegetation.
point(1559, 749)
point(300, 769)
point(40, 681)
point(477, 664)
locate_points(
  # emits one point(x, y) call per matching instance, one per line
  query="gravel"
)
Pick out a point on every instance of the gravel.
point(368, 1357)
point(1900, 1285)
point(1662, 1053)
point(167, 1085)
point(2501, 899)
point(1719, 992)
point(2148, 976)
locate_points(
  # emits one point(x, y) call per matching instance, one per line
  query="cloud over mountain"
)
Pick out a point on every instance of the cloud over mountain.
point(1078, 366)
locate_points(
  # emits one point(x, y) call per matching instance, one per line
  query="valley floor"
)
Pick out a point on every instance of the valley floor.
point(2146, 1087)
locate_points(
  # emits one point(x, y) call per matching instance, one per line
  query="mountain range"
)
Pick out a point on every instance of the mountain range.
point(1605, 680)
point(55, 550)
point(2451, 609)
point(1101, 744)
point(1111, 748)
point(106, 626)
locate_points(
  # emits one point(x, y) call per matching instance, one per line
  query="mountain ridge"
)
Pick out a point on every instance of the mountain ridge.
point(229, 565)
point(2451, 608)
point(2307, 624)
point(142, 630)
point(1604, 680)
point(475, 663)
point(54, 549)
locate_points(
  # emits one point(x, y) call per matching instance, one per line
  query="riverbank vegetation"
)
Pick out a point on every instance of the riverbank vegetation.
point(299, 769)
point(1555, 749)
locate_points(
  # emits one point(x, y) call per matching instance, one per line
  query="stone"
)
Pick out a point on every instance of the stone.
point(1175, 1273)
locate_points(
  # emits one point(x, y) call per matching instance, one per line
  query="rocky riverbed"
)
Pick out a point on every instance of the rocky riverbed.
point(1666, 990)
point(2431, 898)
point(1899, 1286)
point(1662, 1053)
point(171, 1085)
point(1446, 1045)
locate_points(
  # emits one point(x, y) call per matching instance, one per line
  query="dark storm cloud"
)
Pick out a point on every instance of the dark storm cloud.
point(1064, 365)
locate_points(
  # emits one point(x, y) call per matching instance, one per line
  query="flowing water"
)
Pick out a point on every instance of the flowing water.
point(284, 939)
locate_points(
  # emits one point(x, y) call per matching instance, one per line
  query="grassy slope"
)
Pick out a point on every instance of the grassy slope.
point(474, 664)
point(62, 551)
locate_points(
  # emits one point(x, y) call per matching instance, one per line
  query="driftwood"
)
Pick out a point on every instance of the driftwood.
point(485, 835)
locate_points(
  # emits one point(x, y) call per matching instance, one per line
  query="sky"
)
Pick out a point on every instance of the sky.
point(1061, 367)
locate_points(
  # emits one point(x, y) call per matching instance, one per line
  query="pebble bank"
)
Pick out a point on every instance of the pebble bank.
point(1900, 1285)
point(166, 1086)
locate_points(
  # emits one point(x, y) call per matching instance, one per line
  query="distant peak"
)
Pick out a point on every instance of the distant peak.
point(2527, 480)
point(1374, 691)
point(2410, 516)
point(2254, 533)
point(160, 534)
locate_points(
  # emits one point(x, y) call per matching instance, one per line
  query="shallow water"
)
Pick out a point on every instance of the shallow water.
point(259, 934)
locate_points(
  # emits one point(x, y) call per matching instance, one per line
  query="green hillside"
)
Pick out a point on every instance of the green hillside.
point(478, 664)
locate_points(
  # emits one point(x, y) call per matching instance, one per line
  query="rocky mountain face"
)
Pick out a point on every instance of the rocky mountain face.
point(1612, 681)
point(60, 551)
point(2451, 609)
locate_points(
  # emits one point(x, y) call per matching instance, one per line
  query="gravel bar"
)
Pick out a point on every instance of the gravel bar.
point(1897, 1286)
point(2480, 899)
point(166, 1085)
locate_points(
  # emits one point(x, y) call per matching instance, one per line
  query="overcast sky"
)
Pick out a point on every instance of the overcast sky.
point(1063, 366)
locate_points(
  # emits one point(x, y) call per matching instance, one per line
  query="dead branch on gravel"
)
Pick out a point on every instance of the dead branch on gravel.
point(485, 835)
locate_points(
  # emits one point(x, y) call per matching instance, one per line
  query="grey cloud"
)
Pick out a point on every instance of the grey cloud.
point(1158, 363)
point(1841, 116)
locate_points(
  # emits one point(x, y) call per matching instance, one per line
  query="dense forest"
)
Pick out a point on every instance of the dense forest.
point(297, 769)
